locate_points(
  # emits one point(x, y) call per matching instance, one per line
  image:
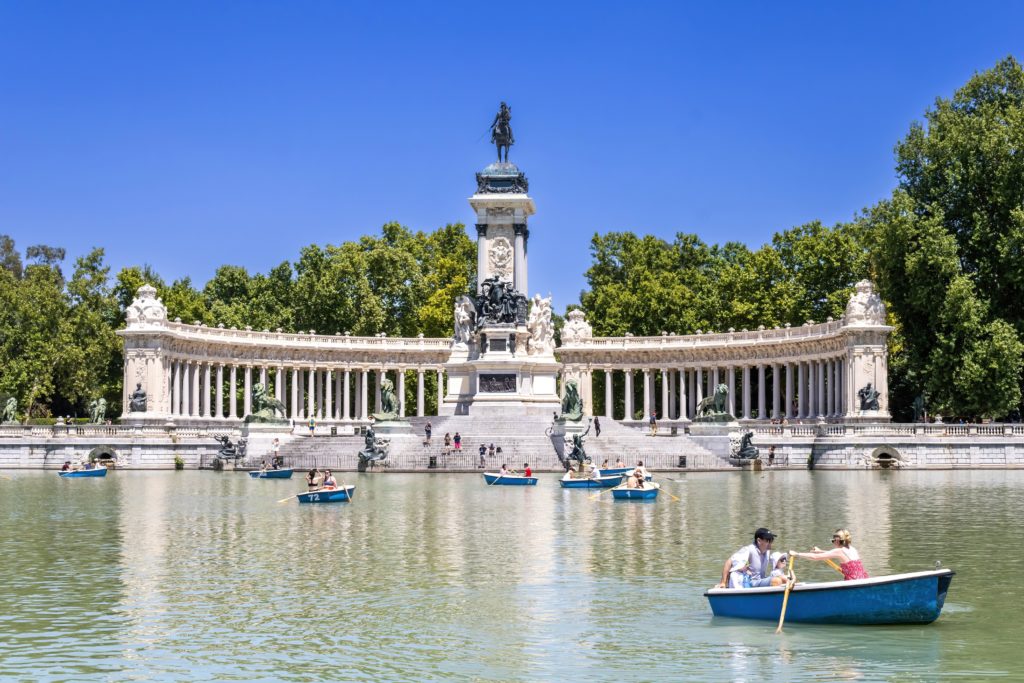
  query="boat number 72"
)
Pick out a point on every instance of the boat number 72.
point(315, 496)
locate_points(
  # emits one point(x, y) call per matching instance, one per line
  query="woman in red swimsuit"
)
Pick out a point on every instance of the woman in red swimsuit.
point(849, 558)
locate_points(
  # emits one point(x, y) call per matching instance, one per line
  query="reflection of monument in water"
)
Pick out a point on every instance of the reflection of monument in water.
point(503, 356)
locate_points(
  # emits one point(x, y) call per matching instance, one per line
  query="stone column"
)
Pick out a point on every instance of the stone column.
point(346, 413)
point(789, 390)
point(247, 389)
point(194, 394)
point(609, 403)
point(219, 413)
point(519, 265)
point(279, 379)
point(481, 257)
point(732, 389)
point(440, 389)
point(420, 408)
point(714, 381)
point(311, 393)
point(295, 394)
point(647, 393)
point(400, 391)
point(664, 414)
point(379, 375)
point(302, 394)
point(357, 393)
point(746, 392)
point(830, 387)
point(698, 393)
point(204, 400)
point(670, 412)
point(364, 394)
point(629, 394)
point(263, 376)
point(803, 406)
point(821, 388)
point(762, 408)
point(776, 386)
point(329, 400)
point(175, 369)
point(233, 395)
point(683, 415)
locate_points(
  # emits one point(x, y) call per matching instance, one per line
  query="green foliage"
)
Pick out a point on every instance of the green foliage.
point(645, 286)
point(946, 249)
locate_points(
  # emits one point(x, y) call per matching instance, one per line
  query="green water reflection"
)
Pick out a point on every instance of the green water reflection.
point(196, 575)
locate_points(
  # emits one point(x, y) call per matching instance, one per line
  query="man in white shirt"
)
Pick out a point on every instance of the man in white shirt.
point(750, 566)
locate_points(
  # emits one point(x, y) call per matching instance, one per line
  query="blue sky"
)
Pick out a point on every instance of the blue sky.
point(188, 135)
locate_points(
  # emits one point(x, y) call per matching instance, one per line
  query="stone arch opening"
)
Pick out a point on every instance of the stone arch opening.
point(887, 458)
point(105, 454)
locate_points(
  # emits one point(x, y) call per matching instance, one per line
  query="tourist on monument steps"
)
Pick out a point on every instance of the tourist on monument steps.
point(458, 441)
point(483, 452)
point(597, 427)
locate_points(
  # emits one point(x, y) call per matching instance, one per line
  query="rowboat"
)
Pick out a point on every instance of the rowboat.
point(602, 482)
point(94, 472)
point(493, 478)
point(648, 492)
point(624, 471)
point(914, 598)
point(272, 474)
point(342, 494)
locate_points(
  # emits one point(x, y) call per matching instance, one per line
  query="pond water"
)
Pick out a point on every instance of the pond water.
point(199, 575)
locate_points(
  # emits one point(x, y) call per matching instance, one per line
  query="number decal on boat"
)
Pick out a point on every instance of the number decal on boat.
point(315, 496)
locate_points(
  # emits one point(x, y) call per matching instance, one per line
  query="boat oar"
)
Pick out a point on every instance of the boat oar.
point(595, 495)
point(785, 596)
point(285, 500)
point(834, 566)
point(492, 483)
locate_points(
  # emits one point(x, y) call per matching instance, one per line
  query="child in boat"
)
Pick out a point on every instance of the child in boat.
point(780, 564)
point(849, 559)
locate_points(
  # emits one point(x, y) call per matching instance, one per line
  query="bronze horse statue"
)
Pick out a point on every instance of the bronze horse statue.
point(501, 131)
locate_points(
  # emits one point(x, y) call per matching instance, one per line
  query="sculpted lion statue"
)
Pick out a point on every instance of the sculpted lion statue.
point(716, 403)
point(264, 406)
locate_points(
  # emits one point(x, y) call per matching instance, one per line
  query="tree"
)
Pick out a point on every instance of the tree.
point(10, 259)
point(946, 248)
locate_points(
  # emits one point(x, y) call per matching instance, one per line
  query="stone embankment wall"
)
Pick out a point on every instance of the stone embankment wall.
point(828, 446)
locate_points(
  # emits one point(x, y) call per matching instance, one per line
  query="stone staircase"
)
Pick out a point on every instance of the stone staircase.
point(522, 439)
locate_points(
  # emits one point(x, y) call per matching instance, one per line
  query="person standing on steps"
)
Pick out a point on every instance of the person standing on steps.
point(312, 426)
point(426, 432)
point(597, 427)
point(483, 460)
point(458, 441)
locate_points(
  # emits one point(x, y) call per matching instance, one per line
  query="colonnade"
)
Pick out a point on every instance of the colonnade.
point(198, 387)
point(803, 389)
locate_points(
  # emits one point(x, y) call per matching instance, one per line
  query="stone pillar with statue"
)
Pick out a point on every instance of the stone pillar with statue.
point(502, 356)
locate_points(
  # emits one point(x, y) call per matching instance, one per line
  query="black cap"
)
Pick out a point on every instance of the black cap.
point(765, 534)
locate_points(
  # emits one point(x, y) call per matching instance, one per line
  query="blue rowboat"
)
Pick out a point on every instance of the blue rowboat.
point(94, 472)
point(509, 479)
point(271, 474)
point(342, 494)
point(602, 482)
point(648, 492)
point(914, 598)
point(624, 471)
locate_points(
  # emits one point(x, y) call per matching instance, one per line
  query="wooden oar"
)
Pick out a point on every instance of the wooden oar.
point(492, 483)
point(785, 597)
point(595, 495)
point(834, 566)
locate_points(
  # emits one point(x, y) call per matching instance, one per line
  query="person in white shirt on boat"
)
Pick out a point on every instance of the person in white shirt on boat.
point(780, 564)
point(751, 565)
point(505, 471)
point(641, 469)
